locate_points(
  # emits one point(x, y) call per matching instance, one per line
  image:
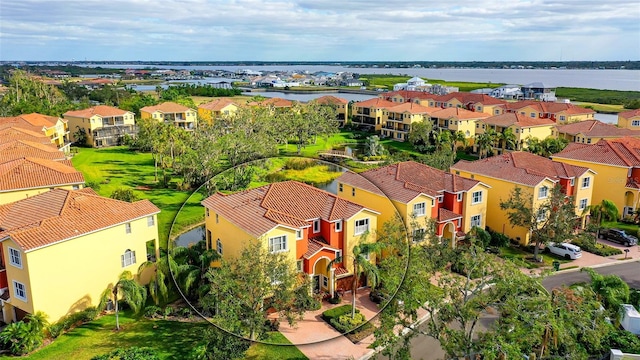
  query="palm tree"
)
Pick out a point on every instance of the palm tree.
point(507, 138)
point(442, 138)
point(485, 142)
point(534, 145)
point(192, 265)
point(361, 264)
point(606, 209)
point(457, 137)
point(134, 294)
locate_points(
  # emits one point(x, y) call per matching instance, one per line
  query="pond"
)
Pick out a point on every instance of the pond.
point(190, 237)
point(331, 186)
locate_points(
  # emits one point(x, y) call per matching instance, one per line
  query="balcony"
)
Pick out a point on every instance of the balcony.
point(114, 131)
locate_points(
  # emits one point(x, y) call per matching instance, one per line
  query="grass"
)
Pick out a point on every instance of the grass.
point(602, 108)
point(119, 167)
point(631, 229)
point(403, 146)
point(311, 150)
point(260, 351)
point(521, 258)
point(596, 95)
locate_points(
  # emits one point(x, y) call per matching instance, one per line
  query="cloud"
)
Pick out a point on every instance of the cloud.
point(317, 29)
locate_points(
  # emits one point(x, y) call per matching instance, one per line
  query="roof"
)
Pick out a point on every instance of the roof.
point(472, 98)
point(9, 134)
point(375, 102)
point(316, 244)
point(16, 149)
point(288, 203)
point(629, 114)
point(595, 128)
point(26, 173)
point(520, 167)
point(40, 120)
point(100, 110)
point(459, 113)
point(405, 180)
point(166, 107)
point(445, 215)
point(330, 100)
point(58, 215)
point(410, 95)
point(508, 119)
point(411, 107)
point(548, 107)
point(624, 151)
point(217, 104)
point(19, 122)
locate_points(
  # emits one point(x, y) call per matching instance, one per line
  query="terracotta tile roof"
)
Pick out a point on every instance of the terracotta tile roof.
point(406, 180)
point(166, 107)
point(458, 113)
point(410, 95)
point(40, 120)
point(18, 122)
point(58, 215)
point(412, 108)
point(16, 133)
point(375, 103)
point(520, 167)
point(100, 110)
point(17, 149)
point(596, 128)
point(509, 119)
point(314, 245)
point(331, 100)
point(624, 151)
point(275, 102)
point(629, 114)
point(288, 203)
point(360, 182)
point(340, 270)
point(217, 104)
point(28, 173)
point(445, 215)
point(468, 98)
point(549, 107)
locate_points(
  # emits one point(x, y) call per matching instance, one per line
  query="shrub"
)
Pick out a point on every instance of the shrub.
point(335, 299)
point(345, 323)
point(597, 248)
point(132, 353)
point(499, 239)
point(21, 337)
point(55, 330)
point(168, 311)
point(299, 163)
point(152, 311)
point(185, 312)
point(336, 312)
point(624, 341)
point(70, 321)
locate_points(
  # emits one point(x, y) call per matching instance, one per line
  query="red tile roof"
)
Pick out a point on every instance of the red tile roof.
point(40, 120)
point(596, 128)
point(619, 152)
point(331, 100)
point(166, 107)
point(548, 107)
point(288, 203)
point(100, 110)
point(468, 98)
point(412, 108)
point(410, 95)
point(629, 114)
point(375, 103)
point(520, 167)
point(18, 122)
point(458, 113)
point(10, 134)
point(26, 173)
point(406, 180)
point(59, 215)
point(217, 104)
point(519, 120)
point(17, 149)
point(316, 244)
point(445, 215)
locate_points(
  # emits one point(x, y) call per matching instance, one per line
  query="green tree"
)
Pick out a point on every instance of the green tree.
point(26, 94)
point(132, 293)
point(442, 139)
point(193, 262)
point(507, 139)
point(124, 194)
point(24, 336)
point(485, 142)
point(611, 290)
point(132, 353)
point(215, 344)
point(373, 147)
point(420, 134)
point(605, 210)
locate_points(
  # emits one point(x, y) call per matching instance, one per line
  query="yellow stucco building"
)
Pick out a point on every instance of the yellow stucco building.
point(523, 128)
point(61, 249)
point(215, 109)
point(311, 226)
point(370, 113)
point(592, 131)
point(340, 105)
point(535, 175)
point(103, 125)
point(629, 119)
point(560, 113)
point(397, 119)
point(617, 164)
point(169, 112)
point(54, 128)
point(458, 119)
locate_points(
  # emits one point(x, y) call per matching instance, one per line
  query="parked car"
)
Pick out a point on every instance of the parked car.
point(566, 250)
point(618, 236)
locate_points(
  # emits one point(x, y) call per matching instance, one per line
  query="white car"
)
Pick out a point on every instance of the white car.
point(566, 250)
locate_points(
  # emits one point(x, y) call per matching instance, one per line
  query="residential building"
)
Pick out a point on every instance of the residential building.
point(102, 125)
point(413, 84)
point(561, 113)
point(470, 101)
point(276, 104)
point(313, 227)
point(25, 177)
point(61, 249)
point(418, 193)
point(538, 91)
point(370, 113)
point(54, 128)
point(398, 118)
point(339, 104)
point(617, 165)
point(592, 131)
point(215, 109)
point(9, 134)
point(535, 176)
point(508, 92)
point(523, 128)
point(402, 96)
point(629, 119)
point(18, 149)
point(169, 112)
point(458, 119)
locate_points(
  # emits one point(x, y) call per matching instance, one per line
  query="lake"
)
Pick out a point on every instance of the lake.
point(190, 237)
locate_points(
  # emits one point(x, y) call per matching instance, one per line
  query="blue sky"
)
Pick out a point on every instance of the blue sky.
point(320, 30)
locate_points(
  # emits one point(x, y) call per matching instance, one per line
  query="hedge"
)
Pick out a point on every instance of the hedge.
point(598, 249)
point(336, 312)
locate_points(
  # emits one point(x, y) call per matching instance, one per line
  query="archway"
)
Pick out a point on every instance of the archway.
point(449, 233)
point(322, 279)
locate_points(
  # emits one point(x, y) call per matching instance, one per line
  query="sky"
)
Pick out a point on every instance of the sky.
point(319, 30)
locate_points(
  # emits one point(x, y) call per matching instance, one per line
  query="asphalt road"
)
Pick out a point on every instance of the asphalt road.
point(427, 348)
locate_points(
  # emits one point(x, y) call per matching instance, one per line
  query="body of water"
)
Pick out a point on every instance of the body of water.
point(310, 96)
point(607, 118)
point(190, 237)
point(596, 79)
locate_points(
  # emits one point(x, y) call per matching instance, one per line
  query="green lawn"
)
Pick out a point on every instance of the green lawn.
point(520, 258)
point(631, 229)
point(261, 351)
point(311, 150)
point(119, 167)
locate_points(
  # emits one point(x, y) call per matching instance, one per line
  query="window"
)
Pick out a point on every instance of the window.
point(76, 187)
point(219, 246)
point(573, 181)
point(19, 290)
point(128, 258)
point(299, 234)
point(419, 209)
point(127, 228)
point(635, 123)
point(476, 197)
point(339, 256)
point(532, 115)
point(583, 204)
point(476, 220)
point(562, 117)
point(340, 187)
point(362, 226)
point(15, 258)
point(542, 215)
point(353, 191)
point(150, 221)
point(440, 199)
point(586, 182)
point(299, 266)
point(217, 220)
point(589, 141)
point(459, 196)
point(278, 243)
point(339, 226)
point(325, 281)
point(543, 192)
point(207, 211)
point(418, 235)
point(316, 226)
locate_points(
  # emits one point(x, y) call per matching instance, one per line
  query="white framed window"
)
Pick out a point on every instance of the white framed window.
point(418, 235)
point(543, 192)
point(219, 246)
point(128, 258)
point(419, 209)
point(542, 215)
point(340, 187)
point(316, 226)
point(127, 228)
point(586, 182)
point(299, 234)
point(459, 197)
point(573, 181)
point(476, 197)
point(15, 257)
point(19, 290)
point(532, 115)
point(150, 221)
point(440, 199)
point(476, 220)
point(339, 226)
point(325, 281)
point(278, 243)
point(299, 266)
point(583, 204)
point(635, 123)
point(362, 226)
point(339, 256)
point(562, 117)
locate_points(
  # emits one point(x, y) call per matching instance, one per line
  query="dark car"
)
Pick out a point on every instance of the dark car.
point(618, 236)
